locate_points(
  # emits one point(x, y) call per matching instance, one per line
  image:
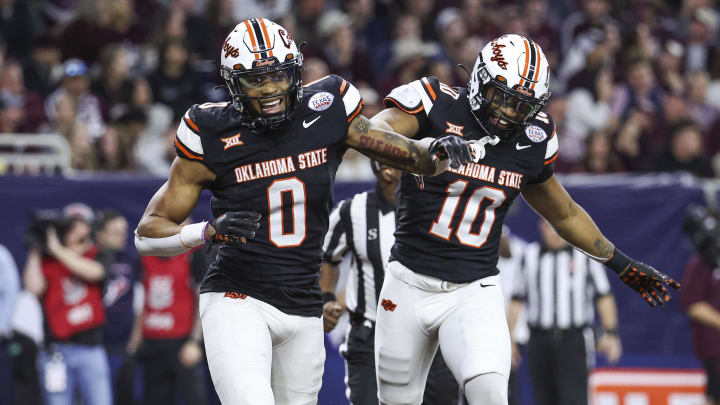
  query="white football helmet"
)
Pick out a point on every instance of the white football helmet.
point(509, 85)
point(255, 51)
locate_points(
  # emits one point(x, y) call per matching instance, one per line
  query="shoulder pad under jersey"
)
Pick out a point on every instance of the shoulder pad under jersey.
point(422, 95)
point(322, 93)
point(201, 120)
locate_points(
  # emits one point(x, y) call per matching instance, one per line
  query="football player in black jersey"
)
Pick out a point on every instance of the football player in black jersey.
point(442, 284)
point(269, 158)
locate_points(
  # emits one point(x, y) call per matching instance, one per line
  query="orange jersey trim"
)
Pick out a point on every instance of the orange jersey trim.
point(356, 112)
point(191, 124)
point(185, 151)
point(429, 88)
point(342, 86)
point(552, 159)
point(398, 105)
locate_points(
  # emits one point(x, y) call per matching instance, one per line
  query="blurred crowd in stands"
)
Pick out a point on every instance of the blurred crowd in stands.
point(636, 84)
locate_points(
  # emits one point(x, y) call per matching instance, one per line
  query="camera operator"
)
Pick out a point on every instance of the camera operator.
point(62, 272)
point(701, 295)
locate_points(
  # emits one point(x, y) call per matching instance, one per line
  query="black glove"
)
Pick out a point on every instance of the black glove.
point(452, 147)
point(642, 278)
point(235, 227)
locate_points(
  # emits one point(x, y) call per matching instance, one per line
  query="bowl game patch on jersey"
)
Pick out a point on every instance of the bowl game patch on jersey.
point(321, 101)
point(535, 133)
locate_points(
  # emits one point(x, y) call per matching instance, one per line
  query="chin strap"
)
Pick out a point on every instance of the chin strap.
point(478, 147)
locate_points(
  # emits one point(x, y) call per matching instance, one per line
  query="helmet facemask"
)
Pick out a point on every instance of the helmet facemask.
point(499, 110)
point(240, 81)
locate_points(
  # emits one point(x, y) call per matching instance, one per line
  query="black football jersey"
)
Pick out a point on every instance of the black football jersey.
point(286, 175)
point(449, 226)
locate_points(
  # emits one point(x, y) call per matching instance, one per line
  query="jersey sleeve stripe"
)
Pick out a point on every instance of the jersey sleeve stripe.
point(190, 139)
point(552, 159)
point(351, 99)
point(429, 88)
point(357, 111)
point(342, 86)
point(388, 101)
point(185, 152)
point(191, 124)
point(552, 146)
point(426, 101)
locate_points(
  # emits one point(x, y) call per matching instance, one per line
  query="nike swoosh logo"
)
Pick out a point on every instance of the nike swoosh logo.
point(521, 147)
point(307, 124)
point(486, 285)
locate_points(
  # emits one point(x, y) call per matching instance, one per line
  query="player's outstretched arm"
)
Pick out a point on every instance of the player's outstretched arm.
point(551, 200)
point(159, 231)
point(386, 138)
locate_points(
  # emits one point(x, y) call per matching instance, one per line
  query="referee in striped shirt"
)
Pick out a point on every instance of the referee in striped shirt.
point(558, 286)
point(363, 227)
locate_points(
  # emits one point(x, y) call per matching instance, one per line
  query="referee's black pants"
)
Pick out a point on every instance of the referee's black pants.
point(441, 387)
point(557, 360)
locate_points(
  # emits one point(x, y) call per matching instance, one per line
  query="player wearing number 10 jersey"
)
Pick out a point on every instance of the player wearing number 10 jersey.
point(441, 285)
point(269, 157)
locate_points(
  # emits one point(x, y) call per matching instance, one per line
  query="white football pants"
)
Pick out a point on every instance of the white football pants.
point(416, 312)
point(259, 355)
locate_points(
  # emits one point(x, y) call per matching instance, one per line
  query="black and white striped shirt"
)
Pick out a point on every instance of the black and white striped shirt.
point(559, 287)
point(363, 228)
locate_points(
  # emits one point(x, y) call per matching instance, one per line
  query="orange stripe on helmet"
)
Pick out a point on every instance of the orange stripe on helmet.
point(265, 34)
point(527, 61)
point(252, 35)
point(537, 65)
point(252, 38)
point(429, 88)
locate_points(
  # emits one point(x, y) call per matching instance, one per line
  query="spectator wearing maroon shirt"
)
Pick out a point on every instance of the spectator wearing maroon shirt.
point(701, 300)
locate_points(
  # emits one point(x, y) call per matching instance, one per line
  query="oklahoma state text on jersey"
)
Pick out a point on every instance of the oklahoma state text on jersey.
point(450, 227)
point(286, 175)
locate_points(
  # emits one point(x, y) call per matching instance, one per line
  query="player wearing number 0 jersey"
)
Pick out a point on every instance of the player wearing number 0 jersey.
point(269, 157)
point(442, 286)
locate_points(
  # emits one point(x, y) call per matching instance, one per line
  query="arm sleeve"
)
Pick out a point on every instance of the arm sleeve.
point(336, 244)
point(188, 144)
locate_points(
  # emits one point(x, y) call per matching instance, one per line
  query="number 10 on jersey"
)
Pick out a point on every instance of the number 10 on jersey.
point(455, 192)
